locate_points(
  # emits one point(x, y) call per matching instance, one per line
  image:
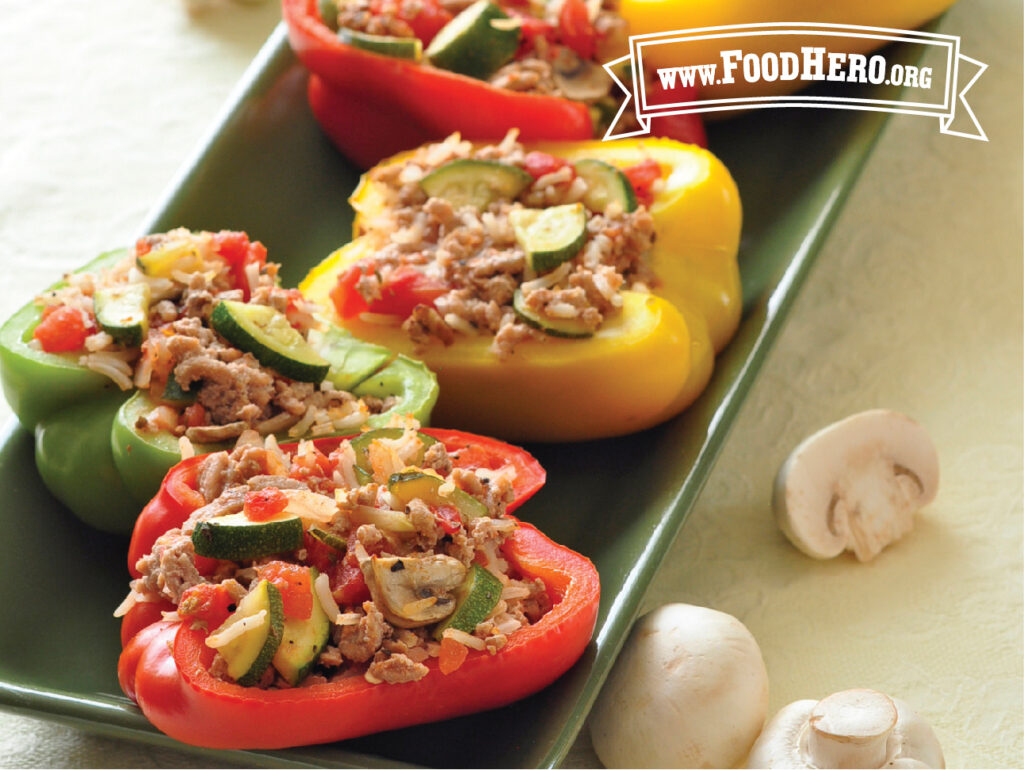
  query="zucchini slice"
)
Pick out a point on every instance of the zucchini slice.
point(410, 485)
point(476, 598)
point(396, 47)
point(123, 312)
point(237, 538)
point(572, 328)
point(605, 184)
point(473, 44)
point(550, 236)
point(329, 539)
point(302, 640)
point(266, 333)
point(163, 260)
point(476, 183)
point(249, 655)
point(175, 394)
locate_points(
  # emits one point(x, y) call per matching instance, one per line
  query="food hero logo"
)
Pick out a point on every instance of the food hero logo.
point(810, 65)
point(760, 66)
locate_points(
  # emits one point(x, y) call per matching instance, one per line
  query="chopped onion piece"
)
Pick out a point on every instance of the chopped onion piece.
point(547, 280)
point(185, 447)
point(504, 472)
point(508, 627)
point(346, 464)
point(125, 606)
point(310, 506)
point(322, 588)
point(463, 638)
point(515, 592)
point(236, 629)
point(389, 521)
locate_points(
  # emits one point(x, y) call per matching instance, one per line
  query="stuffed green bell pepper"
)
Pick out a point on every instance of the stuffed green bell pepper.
point(185, 343)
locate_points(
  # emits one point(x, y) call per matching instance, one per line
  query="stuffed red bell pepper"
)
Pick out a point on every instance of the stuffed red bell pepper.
point(297, 595)
point(392, 74)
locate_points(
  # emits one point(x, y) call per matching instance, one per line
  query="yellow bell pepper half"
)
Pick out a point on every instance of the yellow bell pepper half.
point(644, 364)
point(653, 16)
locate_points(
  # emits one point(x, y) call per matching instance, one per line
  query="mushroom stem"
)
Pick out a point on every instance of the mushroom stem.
point(850, 729)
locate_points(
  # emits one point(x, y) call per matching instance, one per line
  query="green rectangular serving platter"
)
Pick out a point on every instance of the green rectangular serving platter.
point(267, 169)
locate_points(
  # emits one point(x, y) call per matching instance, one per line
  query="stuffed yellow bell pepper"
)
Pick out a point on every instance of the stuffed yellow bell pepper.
point(560, 291)
point(653, 16)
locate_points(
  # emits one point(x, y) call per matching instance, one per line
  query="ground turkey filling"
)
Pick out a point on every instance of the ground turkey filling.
point(232, 391)
point(370, 636)
point(476, 255)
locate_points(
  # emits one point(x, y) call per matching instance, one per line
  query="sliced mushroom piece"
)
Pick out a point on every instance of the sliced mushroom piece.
point(414, 591)
point(579, 79)
point(856, 485)
point(853, 728)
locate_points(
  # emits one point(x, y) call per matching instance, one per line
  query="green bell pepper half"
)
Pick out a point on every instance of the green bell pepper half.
point(88, 451)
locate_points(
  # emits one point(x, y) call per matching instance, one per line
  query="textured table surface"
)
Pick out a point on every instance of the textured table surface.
point(915, 304)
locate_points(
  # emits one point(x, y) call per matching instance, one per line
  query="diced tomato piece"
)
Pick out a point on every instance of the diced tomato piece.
point(531, 28)
point(208, 602)
point(447, 517)
point(404, 288)
point(194, 415)
point(451, 656)
point(263, 504)
point(575, 29)
point(480, 558)
point(232, 245)
point(426, 19)
point(295, 584)
point(292, 308)
point(642, 176)
point(347, 583)
point(347, 301)
point(312, 463)
point(239, 252)
point(538, 164)
point(143, 246)
point(206, 566)
point(62, 329)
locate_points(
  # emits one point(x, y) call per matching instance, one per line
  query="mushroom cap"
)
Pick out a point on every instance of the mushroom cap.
point(853, 728)
point(856, 484)
point(690, 689)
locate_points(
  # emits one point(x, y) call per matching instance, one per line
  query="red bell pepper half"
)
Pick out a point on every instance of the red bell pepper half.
point(393, 104)
point(164, 666)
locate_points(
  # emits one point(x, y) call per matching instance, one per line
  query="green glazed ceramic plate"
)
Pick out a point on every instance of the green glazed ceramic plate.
point(267, 169)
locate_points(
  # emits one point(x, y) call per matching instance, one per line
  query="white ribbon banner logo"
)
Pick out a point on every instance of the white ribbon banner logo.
point(803, 55)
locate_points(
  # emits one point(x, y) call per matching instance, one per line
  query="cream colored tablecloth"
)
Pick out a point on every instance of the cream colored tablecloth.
point(915, 304)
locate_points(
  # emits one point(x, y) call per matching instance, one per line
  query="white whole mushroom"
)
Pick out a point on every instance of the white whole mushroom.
point(856, 485)
point(690, 689)
point(853, 728)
